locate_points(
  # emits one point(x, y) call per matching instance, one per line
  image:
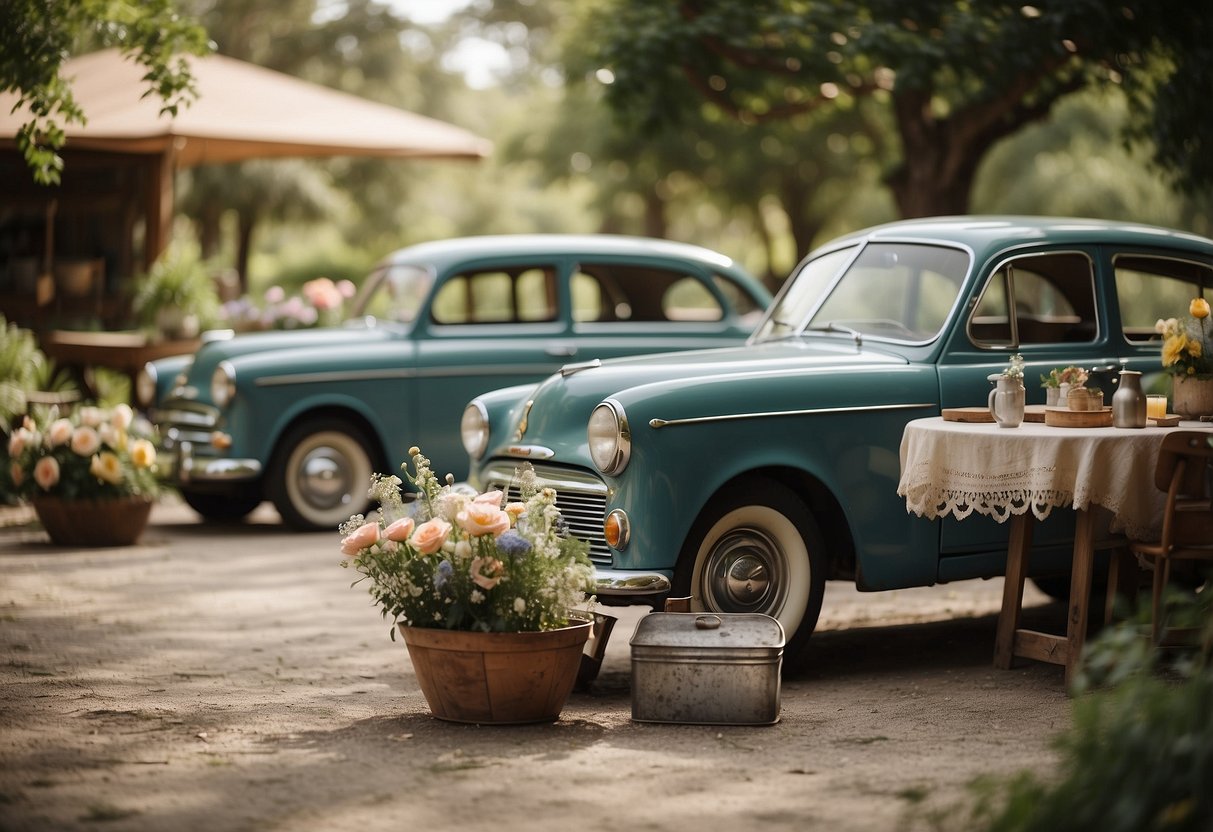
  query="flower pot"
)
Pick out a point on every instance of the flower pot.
point(496, 678)
point(1192, 397)
point(117, 522)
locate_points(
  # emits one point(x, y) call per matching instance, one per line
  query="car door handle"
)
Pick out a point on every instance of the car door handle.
point(560, 350)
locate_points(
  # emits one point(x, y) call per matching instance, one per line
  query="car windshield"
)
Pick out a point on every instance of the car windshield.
point(892, 291)
point(394, 292)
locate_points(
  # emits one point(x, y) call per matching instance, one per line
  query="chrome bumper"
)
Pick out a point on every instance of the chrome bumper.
point(186, 469)
point(619, 588)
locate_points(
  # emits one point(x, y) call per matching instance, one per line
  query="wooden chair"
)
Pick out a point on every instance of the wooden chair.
point(1184, 471)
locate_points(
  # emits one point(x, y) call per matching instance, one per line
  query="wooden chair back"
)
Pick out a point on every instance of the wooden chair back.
point(1184, 471)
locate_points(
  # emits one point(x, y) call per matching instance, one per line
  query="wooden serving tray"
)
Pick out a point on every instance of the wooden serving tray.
point(1031, 413)
point(1168, 421)
point(1063, 417)
point(966, 414)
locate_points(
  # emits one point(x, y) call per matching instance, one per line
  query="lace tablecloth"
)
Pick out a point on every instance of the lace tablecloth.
point(959, 468)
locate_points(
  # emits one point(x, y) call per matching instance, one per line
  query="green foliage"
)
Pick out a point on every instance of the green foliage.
point(956, 77)
point(40, 35)
point(22, 364)
point(1139, 756)
point(179, 281)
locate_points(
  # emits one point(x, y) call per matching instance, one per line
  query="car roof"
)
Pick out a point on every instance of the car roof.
point(986, 232)
point(442, 252)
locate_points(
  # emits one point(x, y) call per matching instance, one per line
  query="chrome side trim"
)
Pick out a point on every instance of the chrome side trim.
point(733, 417)
point(385, 374)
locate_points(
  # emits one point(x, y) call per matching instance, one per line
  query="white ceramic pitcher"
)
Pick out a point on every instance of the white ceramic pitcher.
point(1006, 402)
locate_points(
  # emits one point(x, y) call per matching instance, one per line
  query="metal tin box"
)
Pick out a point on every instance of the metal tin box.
point(706, 668)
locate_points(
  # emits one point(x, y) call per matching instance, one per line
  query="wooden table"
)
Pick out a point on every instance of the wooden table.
point(1022, 473)
point(126, 352)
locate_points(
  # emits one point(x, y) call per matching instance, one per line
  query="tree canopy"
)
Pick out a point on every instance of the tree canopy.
point(956, 76)
point(40, 35)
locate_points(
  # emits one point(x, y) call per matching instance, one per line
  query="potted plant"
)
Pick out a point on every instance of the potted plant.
point(90, 474)
point(483, 591)
point(1066, 387)
point(177, 298)
point(1187, 355)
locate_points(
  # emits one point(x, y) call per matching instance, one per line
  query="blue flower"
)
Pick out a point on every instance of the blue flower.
point(442, 575)
point(513, 544)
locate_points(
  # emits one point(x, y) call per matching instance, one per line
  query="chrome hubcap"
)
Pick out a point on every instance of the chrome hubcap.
point(745, 572)
point(324, 478)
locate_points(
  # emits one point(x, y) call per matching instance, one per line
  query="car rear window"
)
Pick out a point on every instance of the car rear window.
point(613, 292)
point(1149, 288)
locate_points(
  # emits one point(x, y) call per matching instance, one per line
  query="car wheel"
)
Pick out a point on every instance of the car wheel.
point(320, 475)
point(757, 550)
point(222, 507)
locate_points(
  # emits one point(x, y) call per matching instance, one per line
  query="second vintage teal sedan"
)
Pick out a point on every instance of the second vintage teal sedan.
point(746, 477)
point(304, 417)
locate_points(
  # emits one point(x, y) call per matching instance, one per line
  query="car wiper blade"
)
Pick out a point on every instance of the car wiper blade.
point(830, 326)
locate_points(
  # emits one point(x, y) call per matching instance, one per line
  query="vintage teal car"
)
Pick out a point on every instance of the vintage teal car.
point(304, 417)
point(747, 477)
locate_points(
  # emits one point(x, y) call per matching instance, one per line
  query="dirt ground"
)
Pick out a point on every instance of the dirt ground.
point(230, 679)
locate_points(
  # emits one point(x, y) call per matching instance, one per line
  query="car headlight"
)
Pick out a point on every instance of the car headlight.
point(610, 438)
point(145, 386)
point(474, 429)
point(223, 384)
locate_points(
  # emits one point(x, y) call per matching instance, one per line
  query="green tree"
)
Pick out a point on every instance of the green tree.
point(40, 35)
point(956, 77)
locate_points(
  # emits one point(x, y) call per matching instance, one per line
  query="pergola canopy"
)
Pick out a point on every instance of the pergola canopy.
point(242, 111)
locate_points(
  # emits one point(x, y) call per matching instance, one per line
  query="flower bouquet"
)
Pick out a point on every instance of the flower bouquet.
point(1187, 354)
point(483, 591)
point(91, 460)
point(456, 561)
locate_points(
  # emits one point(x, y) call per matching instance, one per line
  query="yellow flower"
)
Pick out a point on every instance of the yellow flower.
point(143, 453)
point(1173, 349)
point(1199, 308)
point(105, 466)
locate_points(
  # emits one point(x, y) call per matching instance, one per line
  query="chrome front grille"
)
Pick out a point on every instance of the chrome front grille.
point(178, 425)
point(580, 497)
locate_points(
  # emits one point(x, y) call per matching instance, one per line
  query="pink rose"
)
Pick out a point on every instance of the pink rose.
point(16, 442)
point(46, 472)
point(430, 535)
point(85, 441)
point(491, 497)
point(400, 530)
point(483, 518)
point(486, 572)
point(59, 433)
point(365, 535)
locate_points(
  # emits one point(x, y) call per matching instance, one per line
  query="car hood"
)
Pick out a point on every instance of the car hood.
point(301, 349)
point(792, 374)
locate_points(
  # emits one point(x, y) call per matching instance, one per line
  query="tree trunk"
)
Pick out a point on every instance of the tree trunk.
point(936, 173)
point(207, 224)
point(244, 247)
point(654, 215)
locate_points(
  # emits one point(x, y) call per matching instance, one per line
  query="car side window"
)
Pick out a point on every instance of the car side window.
point(495, 296)
point(1153, 288)
point(1037, 299)
point(605, 292)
